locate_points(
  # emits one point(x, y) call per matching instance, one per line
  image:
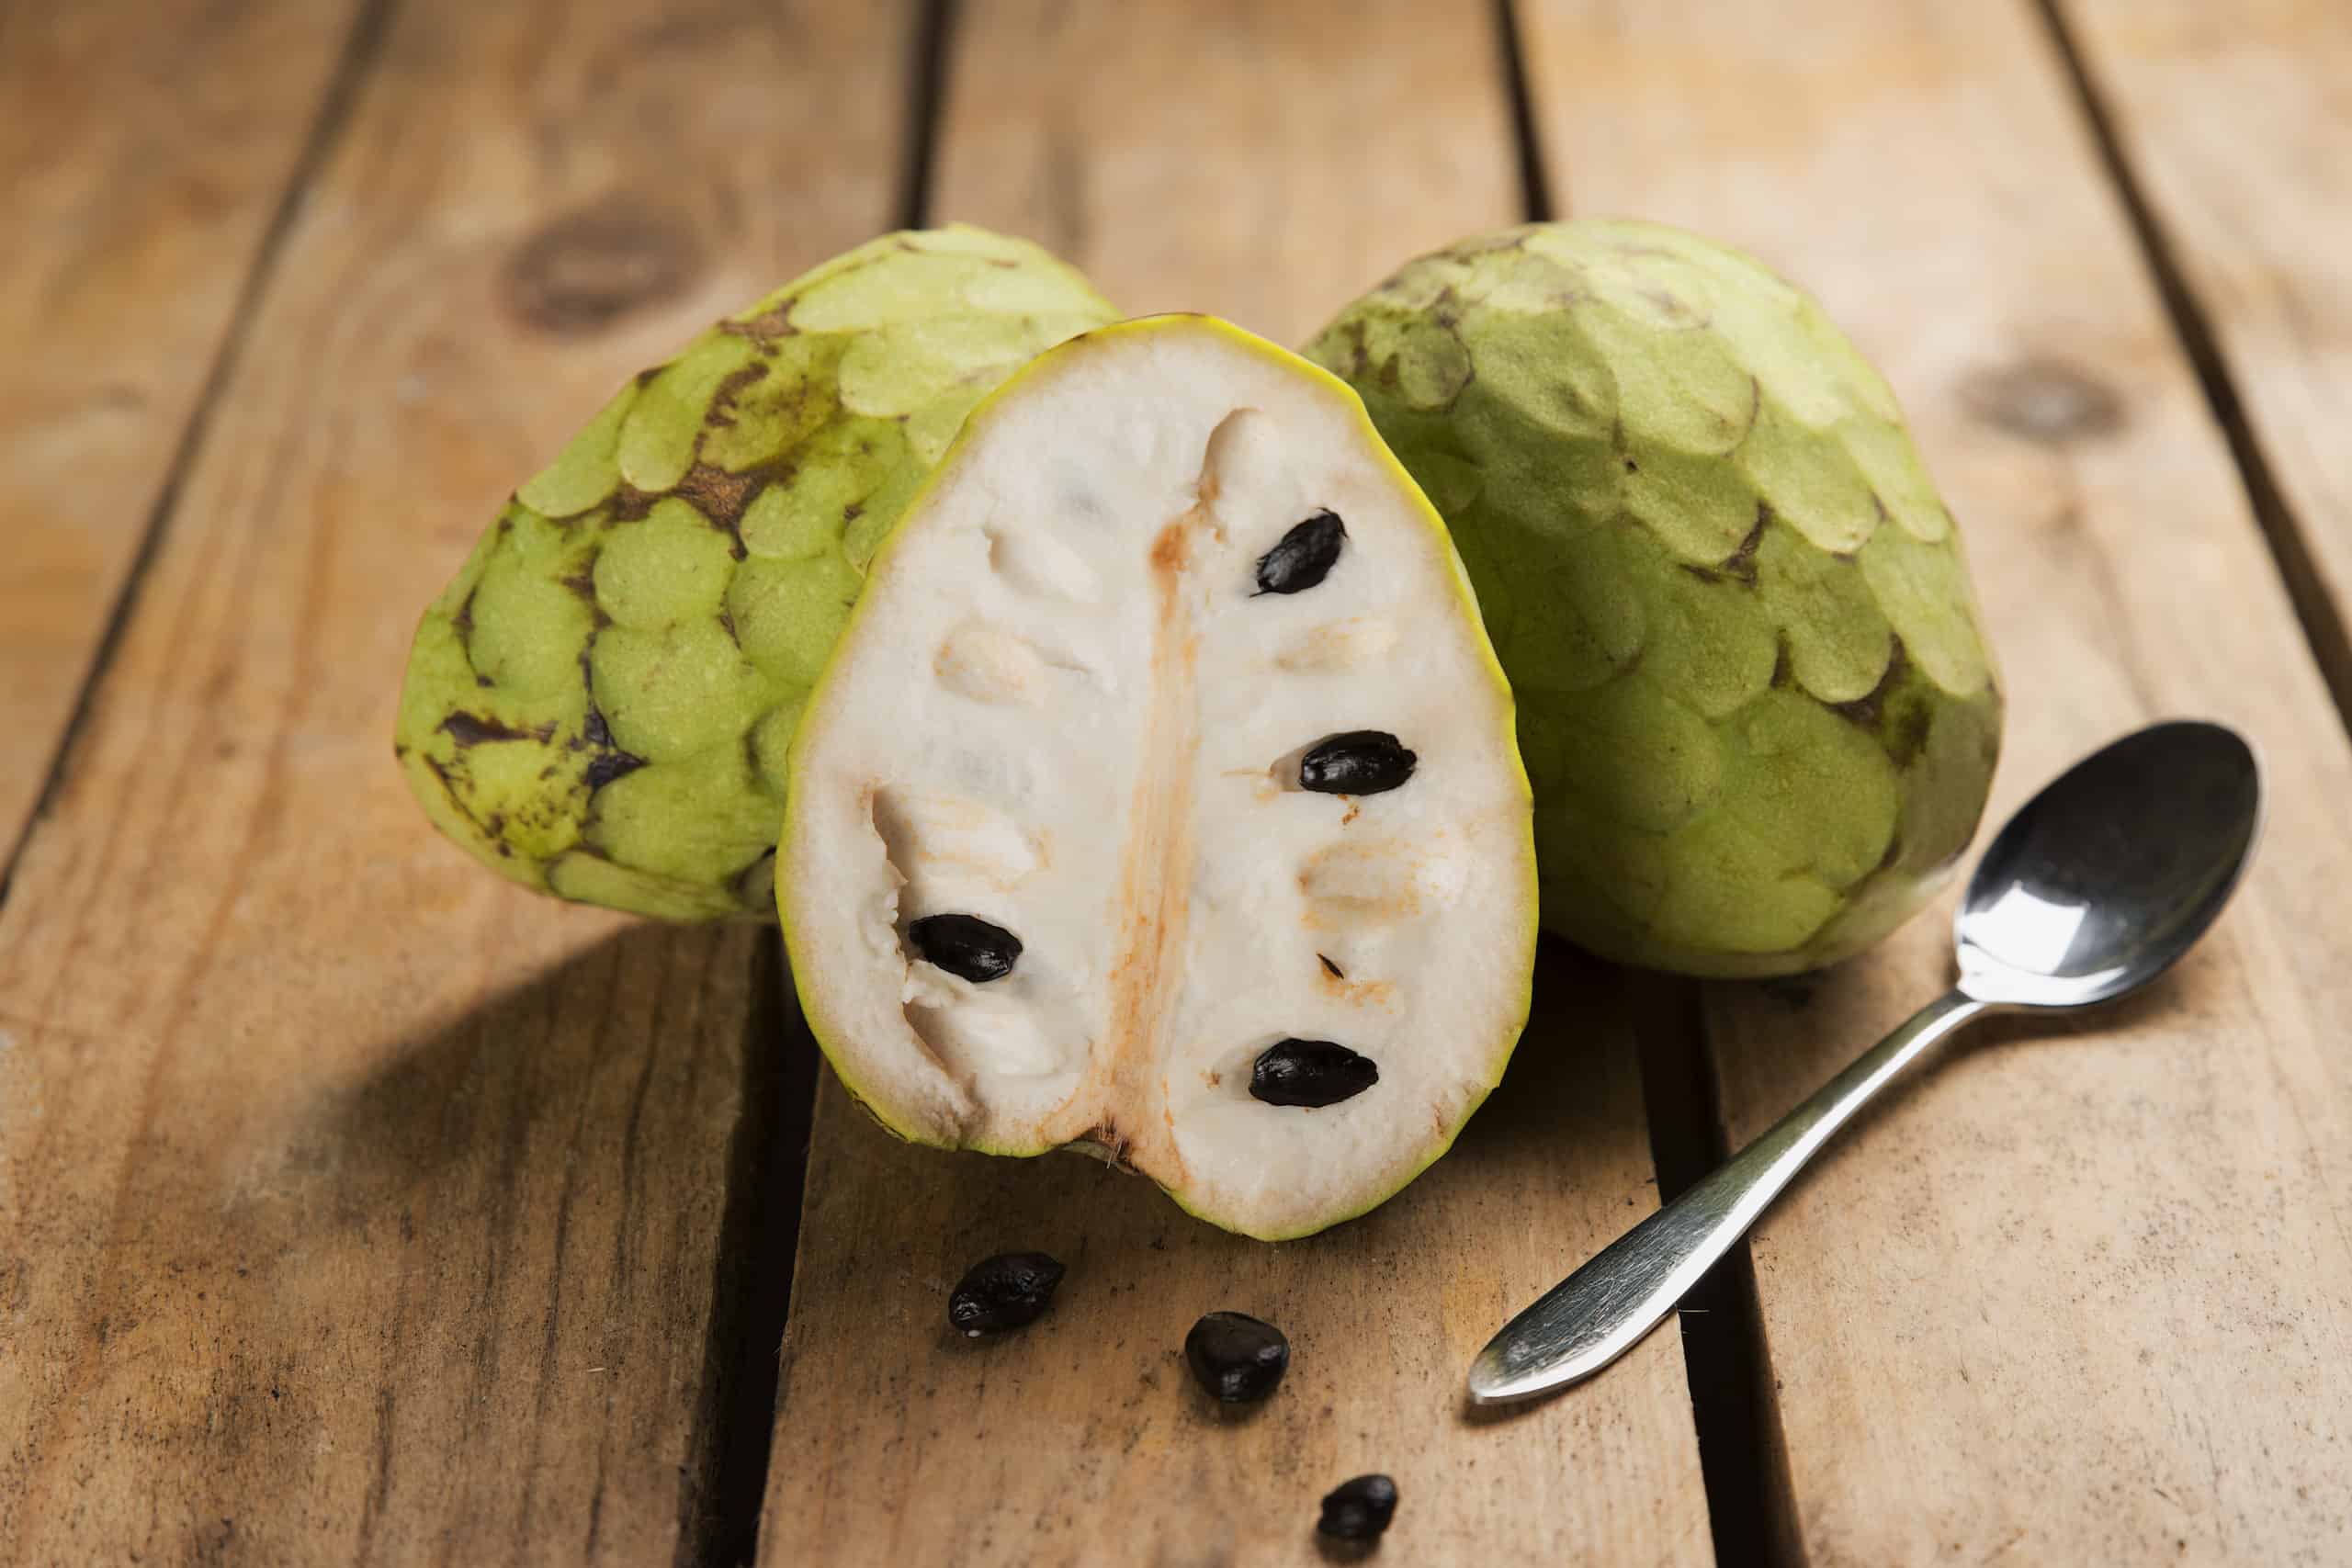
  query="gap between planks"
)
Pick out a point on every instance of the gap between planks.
point(767, 1166)
point(2315, 611)
point(360, 48)
point(1535, 177)
point(768, 1156)
point(1743, 1455)
point(1747, 1493)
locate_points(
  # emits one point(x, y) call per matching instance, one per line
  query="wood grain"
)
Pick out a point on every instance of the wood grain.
point(135, 215)
point(2233, 122)
point(2079, 1295)
point(1264, 163)
point(1237, 185)
point(1083, 1439)
point(354, 1206)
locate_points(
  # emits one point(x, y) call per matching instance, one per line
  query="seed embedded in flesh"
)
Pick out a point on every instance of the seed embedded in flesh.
point(1310, 1073)
point(965, 946)
point(1359, 1510)
point(1236, 1358)
point(1304, 557)
point(1358, 761)
point(1005, 1291)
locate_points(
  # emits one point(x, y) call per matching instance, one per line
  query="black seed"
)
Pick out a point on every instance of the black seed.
point(1359, 1510)
point(1330, 968)
point(1004, 1292)
point(1304, 557)
point(1360, 762)
point(1310, 1073)
point(965, 946)
point(1236, 1358)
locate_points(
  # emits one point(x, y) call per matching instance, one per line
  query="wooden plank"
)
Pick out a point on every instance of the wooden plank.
point(2233, 122)
point(138, 191)
point(1300, 154)
point(1238, 186)
point(2078, 1295)
point(357, 1206)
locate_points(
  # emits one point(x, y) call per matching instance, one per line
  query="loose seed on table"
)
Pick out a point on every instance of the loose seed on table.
point(1359, 1510)
point(1236, 1358)
point(1005, 1291)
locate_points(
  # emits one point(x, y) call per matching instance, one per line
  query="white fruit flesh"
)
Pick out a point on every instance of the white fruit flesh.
point(1064, 707)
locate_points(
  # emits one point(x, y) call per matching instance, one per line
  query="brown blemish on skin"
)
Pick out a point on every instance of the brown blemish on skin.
point(1906, 737)
point(1359, 356)
point(1894, 850)
point(607, 766)
point(474, 729)
point(719, 495)
point(2044, 400)
point(588, 268)
point(1672, 305)
point(1865, 710)
point(1330, 968)
point(719, 413)
point(1741, 564)
point(766, 327)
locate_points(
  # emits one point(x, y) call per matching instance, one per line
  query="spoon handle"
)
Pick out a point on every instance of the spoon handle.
point(1602, 1310)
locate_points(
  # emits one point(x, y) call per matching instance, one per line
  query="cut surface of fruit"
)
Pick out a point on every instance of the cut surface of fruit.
point(1165, 759)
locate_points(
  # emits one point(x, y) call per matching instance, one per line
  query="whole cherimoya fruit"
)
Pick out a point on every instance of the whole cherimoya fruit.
point(1160, 798)
point(1754, 694)
point(599, 704)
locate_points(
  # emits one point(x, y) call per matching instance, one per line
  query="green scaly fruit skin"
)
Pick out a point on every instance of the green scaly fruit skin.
point(599, 704)
point(1754, 693)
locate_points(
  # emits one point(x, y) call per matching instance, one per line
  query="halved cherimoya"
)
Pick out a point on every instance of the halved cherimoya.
point(1163, 796)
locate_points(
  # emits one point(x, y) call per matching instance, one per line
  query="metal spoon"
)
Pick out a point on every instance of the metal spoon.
point(2092, 890)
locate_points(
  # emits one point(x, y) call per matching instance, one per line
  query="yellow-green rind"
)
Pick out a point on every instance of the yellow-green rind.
point(1754, 693)
point(974, 423)
point(598, 705)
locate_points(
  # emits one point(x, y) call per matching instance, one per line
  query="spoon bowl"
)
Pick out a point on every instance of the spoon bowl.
point(2094, 889)
point(2104, 879)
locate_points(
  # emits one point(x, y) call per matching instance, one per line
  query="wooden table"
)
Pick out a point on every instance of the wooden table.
point(354, 1207)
